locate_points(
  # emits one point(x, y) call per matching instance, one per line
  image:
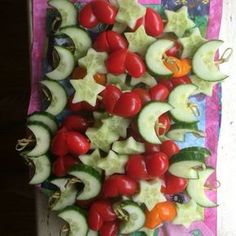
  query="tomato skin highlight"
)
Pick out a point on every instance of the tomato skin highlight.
point(109, 229)
point(101, 43)
point(143, 94)
point(159, 92)
point(116, 41)
point(128, 105)
point(151, 148)
point(169, 147)
point(167, 83)
point(180, 80)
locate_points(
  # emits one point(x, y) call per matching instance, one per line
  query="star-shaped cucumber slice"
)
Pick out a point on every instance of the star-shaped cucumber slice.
point(192, 43)
point(139, 41)
point(129, 12)
point(113, 163)
point(128, 146)
point(146, 79)
point(86, 89)
point(178, 22)
point(91, 159)
point(188, 213)
point(94, 62)
point(150, 193)
point(119, 81)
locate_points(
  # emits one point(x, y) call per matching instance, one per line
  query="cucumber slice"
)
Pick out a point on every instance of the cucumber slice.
point(203, 151)
point(188, 213)
point(119, 81)
point(128, 147)
point(205, 87)
point(92, 233)
point(46, 118)
point(67, 196)
point(58, 99)
point(204, 62)
point(196, 189)
point(42, 169)
point(179, 99)
point(178, 22)
point(177, 131)
point(67, 11)
point(81, 40)
point(136, 217)
point(91, 179)
point(42, 139)
point(183, 163)
point(76, 219)
point(113, 163)
point(146, 79)
point(154, 57)
point(147, 120)
point(65, 66)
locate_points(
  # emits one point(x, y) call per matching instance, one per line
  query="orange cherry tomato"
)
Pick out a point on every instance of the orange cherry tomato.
point(100, 78)
point(167, 210)
point(153, 218)
point(179, 67)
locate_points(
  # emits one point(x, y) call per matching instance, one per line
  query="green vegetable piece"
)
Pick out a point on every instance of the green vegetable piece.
point(119, 81)
point(178, 22)
point(128, 146)
point(146, 79)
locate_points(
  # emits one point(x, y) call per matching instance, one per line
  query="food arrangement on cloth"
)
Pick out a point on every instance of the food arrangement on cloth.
point(120, 102)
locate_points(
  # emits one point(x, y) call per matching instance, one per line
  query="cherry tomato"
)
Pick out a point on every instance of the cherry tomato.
point(143, 94)
point(87, 18)
point(167, 211)
point(100, 78)
point(162, 125)
point(119, 185)
point(167, 83)
point(77, 143)
point(153, 218)
point(169, 147)
point(116, 62)
point(63, 164)
point(79, 73)
point(59, 146)
point(109, 229)
point(110, 96)
point(175, 50)
point(157, 164)
point(128, 105)
point(134, 132)
point(135, 65)
point(159, 92)
point(174, 184)
point(136, 167)
point(139, 22)
point(101, 43)
point(150, 148)
point(76, 123)
point(180, 80)
point(104, 11)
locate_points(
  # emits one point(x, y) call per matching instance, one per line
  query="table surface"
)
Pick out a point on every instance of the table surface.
point(226, 171)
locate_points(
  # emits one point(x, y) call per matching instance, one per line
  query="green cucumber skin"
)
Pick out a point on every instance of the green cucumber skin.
point(185, 156)
point(44, 113)
point(74, 208)
point(204, 151)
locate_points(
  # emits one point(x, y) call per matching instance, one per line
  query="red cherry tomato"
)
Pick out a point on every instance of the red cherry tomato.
point(109, 229)
point(180, 80)
point(101, 43)
point(133, 131)
point(59, 147)
point(174, 184)
point(157, 164)
point(110, 96)
point(162, 125)
point(77, 143)
point(136, 167)
point(76, 123)
point(175, 50)
point(169, 147)
point(116, 62)
point(135, 65)
point(153, 23)
point(87, 18)
point(150, 148)
point(104, 11)
point(167, 83)
point(139, 22)
point(119, 185)
point(159, 92)
point(143, 94)
point(128, 105)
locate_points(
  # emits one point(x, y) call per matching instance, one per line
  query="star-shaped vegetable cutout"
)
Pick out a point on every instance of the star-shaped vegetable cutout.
point(146, 79)
point(188, 213)
point(191, 43)
point(91, 159)
point(86, 89)
point(129, 12)
point(178, 22)
point(113, 163)
point(139, 41)
point(150, 193)
point(94, 62)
